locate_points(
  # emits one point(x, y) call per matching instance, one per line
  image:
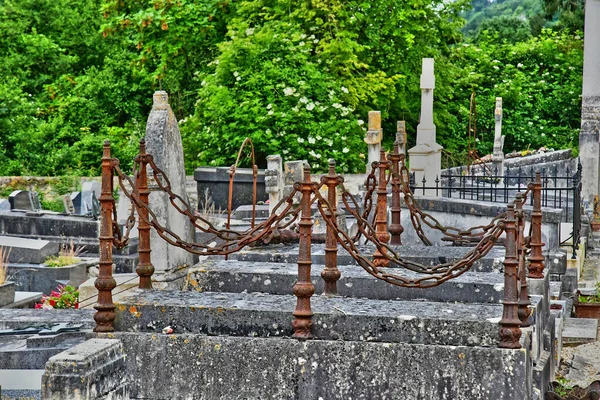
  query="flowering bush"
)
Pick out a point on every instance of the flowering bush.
point(62, 297)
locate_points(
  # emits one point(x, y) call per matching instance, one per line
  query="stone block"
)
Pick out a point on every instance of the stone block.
point(92, 370)
point(238, 368)
point(279, 278)
point(335, 318)
point(216, 181)
point(579, 330)
point(21, 200)
point(40, 278)
point(7, 293)
point(27, 251)
point(22, 318)
point(244, 212)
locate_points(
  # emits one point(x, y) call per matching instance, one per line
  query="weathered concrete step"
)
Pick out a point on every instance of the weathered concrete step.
point(260, 314)
point(426, 255)
point(279, 278)
point(238, 368)
point(22, 318)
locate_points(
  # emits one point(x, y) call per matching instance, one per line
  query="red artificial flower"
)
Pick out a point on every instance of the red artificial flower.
point(52, 302)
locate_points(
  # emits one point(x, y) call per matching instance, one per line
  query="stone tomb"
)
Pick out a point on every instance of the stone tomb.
point(23, 200)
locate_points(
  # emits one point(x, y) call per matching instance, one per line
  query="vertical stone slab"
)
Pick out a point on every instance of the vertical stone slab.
point(21, 200)
point(293, 171)
point(498, 155)
point(589, 140)
point(373, 138)
point(401, 136)
point(163, 142)
point(426, 156)
point(274, 180)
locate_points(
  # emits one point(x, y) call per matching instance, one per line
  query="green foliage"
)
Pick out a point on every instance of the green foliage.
point(299, 78)
point(539, 81)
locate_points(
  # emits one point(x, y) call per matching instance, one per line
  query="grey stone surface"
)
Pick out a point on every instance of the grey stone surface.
point(21, 200)
point(579, 330)
point(22, 250)
point(259, 314)
point(279, 278)
point(4, 205)
point(15, 319)
point(91, 370)
point(163, 142)
point(40, 278)
point(48, 226)
point(274, 368)
point(25, 299)
point(426, 255)
point(7, 293)
point(245, 212)
point(216, 180)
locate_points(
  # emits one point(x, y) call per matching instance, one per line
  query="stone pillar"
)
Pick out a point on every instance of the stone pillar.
point(293, 172)
point(373, 137)
point(589, 141)
point(498, 155)
point(163, 142)
point(401, 137)
point(274, 180)
point(426, 156)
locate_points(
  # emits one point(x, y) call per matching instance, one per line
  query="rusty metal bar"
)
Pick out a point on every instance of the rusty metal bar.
point(105, 282)
point(524, 302)
point(144, 269)
point(396, 227)
point(510, 331)
point(331, 274)
point(536, 259)
point(304, 289)
point(232, 171)
point(379, 258)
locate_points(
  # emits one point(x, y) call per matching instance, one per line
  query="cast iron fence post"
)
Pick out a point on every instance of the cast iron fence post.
point(304, 289)
point(536, 259)
point(510, 331)
point(523, 288)
point(331, 274)
point(105, 282)
point(145, 269)
point(396, 228)
point(379, 258)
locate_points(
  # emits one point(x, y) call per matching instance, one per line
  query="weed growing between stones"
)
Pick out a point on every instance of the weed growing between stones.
point(68, 255)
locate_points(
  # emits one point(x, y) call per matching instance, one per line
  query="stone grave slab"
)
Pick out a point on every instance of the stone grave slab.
point(579, 330)
point(21, 200)
point(4, 205)
point(28, 251)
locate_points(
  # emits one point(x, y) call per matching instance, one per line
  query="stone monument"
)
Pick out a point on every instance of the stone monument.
point(274, 180)
point(163, 142)
point(373, 138)
point(498, 155)
point(426, 156)
point(401, 136)
point(589, 136)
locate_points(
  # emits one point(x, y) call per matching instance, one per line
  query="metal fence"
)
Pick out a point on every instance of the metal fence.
point(562, 191)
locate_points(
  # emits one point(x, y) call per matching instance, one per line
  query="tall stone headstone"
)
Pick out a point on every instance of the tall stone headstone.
point(77, 203)
point(498, 154)
point(374, 137)
point(293, 171)
point(68, 204)
point(163, 142)
point(21, 200)
point(88, 191)
point(274, 180)
point(401, 136)
point(589, 135)
point(426, 156)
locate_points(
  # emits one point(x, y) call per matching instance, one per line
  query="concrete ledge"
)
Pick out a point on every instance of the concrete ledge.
point(91, 370)
point(205, 367)
point(264, 315)
point(279, 278)
point(22, 318)
point(427, 255)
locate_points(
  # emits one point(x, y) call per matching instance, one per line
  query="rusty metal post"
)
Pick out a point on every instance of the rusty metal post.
point(145, 269)
point(105, 282)
point(536, 259)
point(396, 227)
point(379, 258)
point(331, 274)
point(304, 289)
point(510, 331)
point(524, 311)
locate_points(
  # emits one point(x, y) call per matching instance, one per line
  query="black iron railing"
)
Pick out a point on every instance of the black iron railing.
point(560, 190)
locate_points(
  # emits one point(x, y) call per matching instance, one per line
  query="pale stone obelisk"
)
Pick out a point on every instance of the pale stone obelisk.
point(163, 142)
point(589, 140)
point(426, 156)
point(373, 138)
point(498, 155)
